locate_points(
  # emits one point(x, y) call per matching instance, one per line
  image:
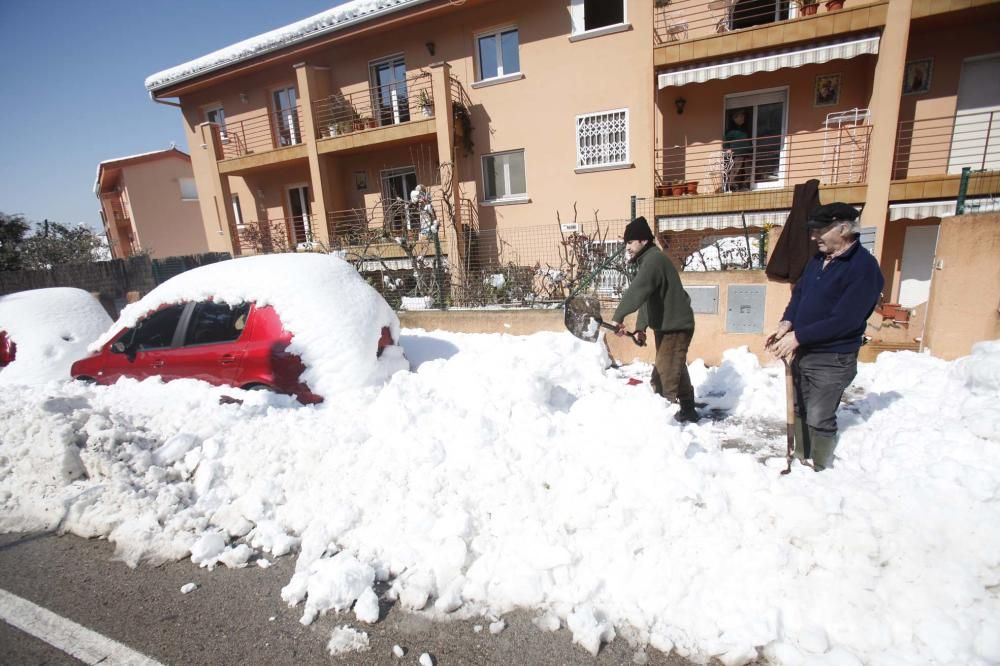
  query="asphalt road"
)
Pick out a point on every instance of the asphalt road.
point(238, 617)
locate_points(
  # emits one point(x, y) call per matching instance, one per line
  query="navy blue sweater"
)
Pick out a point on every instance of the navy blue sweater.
point(830, 307)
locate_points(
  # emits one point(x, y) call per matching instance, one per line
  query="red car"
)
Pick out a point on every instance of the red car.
point(242, 346)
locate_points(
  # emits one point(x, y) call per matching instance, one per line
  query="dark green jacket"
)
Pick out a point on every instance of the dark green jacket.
point(657, 293)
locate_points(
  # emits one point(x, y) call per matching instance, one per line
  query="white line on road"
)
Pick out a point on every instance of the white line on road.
point(76, 640)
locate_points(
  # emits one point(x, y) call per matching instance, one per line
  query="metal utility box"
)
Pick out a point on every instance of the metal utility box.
point(745, 308)
point(704, 298)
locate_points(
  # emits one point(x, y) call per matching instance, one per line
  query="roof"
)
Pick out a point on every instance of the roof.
point(331, 20)
point(107, 166)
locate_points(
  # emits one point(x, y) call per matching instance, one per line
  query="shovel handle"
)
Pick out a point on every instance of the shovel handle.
point(630, 334)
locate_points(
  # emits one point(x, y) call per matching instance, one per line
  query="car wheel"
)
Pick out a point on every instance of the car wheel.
point(85, 380)
point(257, 387)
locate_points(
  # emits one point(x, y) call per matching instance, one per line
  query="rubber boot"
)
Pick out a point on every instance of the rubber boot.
point(822, 449)
point(687, 413)
point(801, 445)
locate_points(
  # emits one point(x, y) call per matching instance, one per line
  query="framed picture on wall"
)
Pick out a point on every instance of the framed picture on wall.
point(827, 90)
point(361, 180)
point(917, 76)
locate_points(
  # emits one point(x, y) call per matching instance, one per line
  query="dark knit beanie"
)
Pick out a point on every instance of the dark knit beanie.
point(638, 229)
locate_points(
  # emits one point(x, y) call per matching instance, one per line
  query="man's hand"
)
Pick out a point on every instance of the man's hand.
point(785, 346)
point(619, 328)
point(640, 338)
point(780, 332)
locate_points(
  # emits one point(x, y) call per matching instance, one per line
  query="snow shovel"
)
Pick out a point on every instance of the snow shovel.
point(789, 416)
point(582, 316)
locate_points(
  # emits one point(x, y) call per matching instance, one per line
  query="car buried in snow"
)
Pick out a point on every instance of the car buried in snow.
point(43, 330)
point(306, 325)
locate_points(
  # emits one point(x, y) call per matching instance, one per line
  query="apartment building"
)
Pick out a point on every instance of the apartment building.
point(702, 114)
point(149, 203)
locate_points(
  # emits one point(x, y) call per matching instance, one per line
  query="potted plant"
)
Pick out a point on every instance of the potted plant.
point(677, 188)
point(662, 190)
point(831, 5)
point(691, 187)
point(426, 104)
point(808, 7)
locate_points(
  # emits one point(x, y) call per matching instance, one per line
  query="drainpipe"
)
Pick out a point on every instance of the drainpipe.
point(160, 101)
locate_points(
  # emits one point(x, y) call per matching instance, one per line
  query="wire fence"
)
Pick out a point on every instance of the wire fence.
point(978, 191)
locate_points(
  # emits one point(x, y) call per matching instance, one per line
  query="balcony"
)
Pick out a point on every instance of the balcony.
point(270, 236)
point(758, 173)
point(387, 230)
point(260, 133)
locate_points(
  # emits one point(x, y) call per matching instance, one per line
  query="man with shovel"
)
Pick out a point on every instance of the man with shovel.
point(823, 327)
point(663, 305)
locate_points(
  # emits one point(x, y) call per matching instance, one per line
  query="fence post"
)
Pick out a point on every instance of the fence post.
point(632, 208)
point(963, 188)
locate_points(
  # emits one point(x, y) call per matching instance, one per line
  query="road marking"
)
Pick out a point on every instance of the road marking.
point(74, 639)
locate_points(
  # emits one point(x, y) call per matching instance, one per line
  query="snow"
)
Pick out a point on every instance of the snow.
point(335, 316)
point(51, 328)
point(345, 639)
point(327, 21)
point(510, 472)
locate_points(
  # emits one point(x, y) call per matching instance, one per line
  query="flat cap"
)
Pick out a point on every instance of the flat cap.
point(823, 216)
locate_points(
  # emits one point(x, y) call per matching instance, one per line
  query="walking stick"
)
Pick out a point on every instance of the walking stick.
point(789, 416)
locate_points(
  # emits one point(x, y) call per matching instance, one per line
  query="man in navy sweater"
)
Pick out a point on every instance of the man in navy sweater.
point(823, 327)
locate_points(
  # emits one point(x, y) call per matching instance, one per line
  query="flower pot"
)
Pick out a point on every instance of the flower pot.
point(427, 110)
point(662, 190)
point(832, 5)
point(809, 10)
point(691, 187)
point(678, 190)
point(895, 312)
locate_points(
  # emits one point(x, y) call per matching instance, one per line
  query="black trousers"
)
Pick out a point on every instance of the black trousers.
point(820, 379)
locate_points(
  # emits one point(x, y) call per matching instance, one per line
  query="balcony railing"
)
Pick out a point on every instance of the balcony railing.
point(377, 106)
point(684, 19)
point(285, 234)
point(835, 156)
point(935, 146)
point(260, 133)
point(391, 221)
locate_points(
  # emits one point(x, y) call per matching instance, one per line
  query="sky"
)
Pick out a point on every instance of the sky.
point(73, 73)
point(494, 472)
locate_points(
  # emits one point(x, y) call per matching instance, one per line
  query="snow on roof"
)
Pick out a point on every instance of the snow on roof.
point(51, 328)
point(330, 20)
point(335, 317)
point(116, 161)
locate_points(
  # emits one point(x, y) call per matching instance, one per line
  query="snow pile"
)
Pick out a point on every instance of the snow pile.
point(51, 328)
point(719, 252)
point(332, 19)
point(336, 317)
point(510, 472)
point(345, 639)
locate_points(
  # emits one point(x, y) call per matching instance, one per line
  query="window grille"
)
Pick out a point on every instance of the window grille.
point(602, 139)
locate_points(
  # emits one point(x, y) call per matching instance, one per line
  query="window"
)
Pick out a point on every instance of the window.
point(503, 176)
point(155, 331)
point(237, 210)
point(189, 192)
point(216, 322)
point(590, 15)
point(218, 116)
point(602, 139)
point(498, 54)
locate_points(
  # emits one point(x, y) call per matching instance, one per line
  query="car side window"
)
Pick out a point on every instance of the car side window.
point(155, 331)
point(216, 322)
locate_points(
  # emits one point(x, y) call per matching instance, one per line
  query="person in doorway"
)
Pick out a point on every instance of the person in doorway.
point(738, 142)
point(823, 327)
point(663, 305)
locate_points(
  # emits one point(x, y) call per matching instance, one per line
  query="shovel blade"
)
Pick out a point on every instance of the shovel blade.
point(582, 316)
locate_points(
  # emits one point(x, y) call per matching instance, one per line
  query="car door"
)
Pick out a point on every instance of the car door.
point(211, 348)
point(144, 349)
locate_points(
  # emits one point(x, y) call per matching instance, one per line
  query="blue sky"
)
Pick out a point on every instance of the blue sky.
point(72, 73)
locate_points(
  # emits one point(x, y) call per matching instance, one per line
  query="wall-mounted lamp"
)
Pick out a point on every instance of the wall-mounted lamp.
point(430, 47)
point(679, 103)
point(244, 98)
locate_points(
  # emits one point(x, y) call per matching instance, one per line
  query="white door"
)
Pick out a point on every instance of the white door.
point(976, 135)
point(917, 265)
point(764, 117)
point(286, 117)
point(400, 215)
point(300, 220)
point(390, 98)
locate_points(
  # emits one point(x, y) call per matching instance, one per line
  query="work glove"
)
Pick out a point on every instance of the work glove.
point(640, 338)
point(620, 329)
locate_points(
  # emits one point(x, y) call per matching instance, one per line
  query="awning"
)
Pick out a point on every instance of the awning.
point(721, 221)
point(921, 210)
point(771, 61)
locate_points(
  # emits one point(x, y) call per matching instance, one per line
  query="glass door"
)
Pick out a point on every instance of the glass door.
point(755, 134)
point(300, 215)
point(286, 117)
point(400, 215)
point(390, 101)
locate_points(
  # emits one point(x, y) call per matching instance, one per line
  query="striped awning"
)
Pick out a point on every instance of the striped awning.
point(720, 221)
point(920, 210)
point(770, 61)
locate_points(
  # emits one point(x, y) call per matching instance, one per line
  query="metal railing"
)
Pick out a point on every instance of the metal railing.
point(835, 156)
point(376, 106)
point(273, 235)
point(978, 192)
point(946, 145)
point(683, 19)
point(265, 131)
point(385, 220)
